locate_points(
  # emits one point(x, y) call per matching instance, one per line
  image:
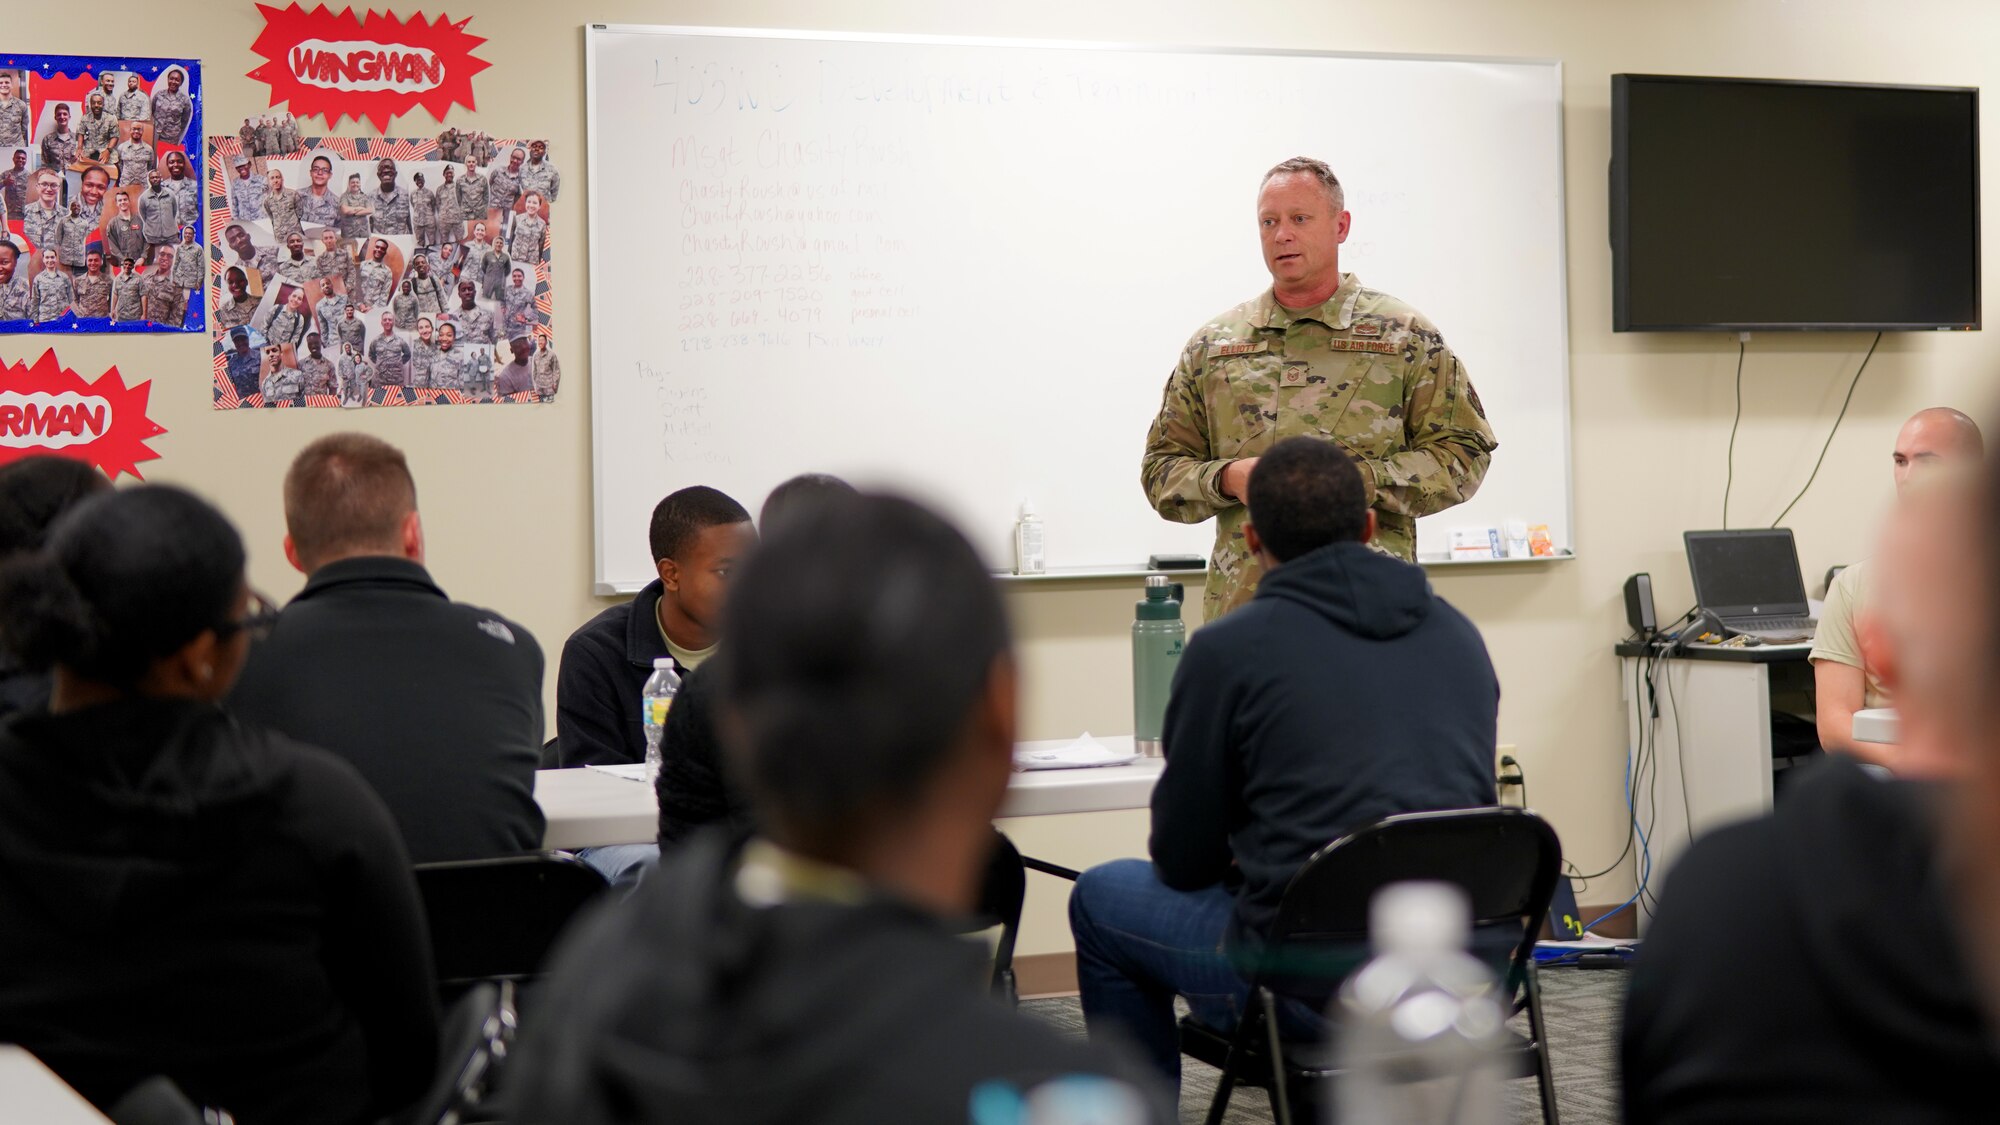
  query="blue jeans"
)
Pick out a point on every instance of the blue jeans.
point(1140, 943)
point(622, 865)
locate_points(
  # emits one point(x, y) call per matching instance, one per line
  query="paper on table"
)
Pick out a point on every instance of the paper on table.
point(1083, 753)
point(630, 771)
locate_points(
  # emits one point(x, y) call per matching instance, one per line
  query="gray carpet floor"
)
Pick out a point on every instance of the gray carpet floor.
point(1580, 1005)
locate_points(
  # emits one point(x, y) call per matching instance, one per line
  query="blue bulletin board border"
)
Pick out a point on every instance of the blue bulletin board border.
point(47, 67)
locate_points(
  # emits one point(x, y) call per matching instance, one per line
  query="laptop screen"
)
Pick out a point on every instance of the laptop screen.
point(1746, 573)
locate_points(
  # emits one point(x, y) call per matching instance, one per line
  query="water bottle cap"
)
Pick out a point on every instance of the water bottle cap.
point(1419, 918)
point(660, 662)
point(1027, 509)
point(1154, 581)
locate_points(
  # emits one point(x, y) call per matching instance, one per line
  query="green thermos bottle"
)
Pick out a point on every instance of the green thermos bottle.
point(1158, 636)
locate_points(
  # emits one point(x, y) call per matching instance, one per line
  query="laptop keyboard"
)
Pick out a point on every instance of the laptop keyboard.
point(1774, 625)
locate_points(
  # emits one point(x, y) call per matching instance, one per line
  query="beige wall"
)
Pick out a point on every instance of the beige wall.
point(506, 491)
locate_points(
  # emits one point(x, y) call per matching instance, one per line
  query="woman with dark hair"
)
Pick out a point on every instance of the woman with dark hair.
point(182, 895)
point(33, 492)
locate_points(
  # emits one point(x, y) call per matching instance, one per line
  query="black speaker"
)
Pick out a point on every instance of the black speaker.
point(1639, 605)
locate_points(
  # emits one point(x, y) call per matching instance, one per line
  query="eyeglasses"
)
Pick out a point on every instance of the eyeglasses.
point(257, 623)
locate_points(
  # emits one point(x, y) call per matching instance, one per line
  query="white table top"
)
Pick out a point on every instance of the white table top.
point(1877, 724)
point(30, 1091)
point(591, 808)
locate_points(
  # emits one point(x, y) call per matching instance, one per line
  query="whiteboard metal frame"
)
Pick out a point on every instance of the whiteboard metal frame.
point(592, 30)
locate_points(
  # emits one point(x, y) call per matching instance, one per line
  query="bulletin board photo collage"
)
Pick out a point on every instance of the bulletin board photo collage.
point(103, 220)
point(350, 272)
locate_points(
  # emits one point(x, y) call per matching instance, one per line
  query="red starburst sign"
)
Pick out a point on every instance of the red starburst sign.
point(369, 68)
point(47, 408)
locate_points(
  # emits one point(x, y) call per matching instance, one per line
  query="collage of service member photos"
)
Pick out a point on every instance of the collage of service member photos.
point(378, 272)
point(103, 210)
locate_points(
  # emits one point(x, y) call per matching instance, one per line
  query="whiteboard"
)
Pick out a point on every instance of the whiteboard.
point(965, 268)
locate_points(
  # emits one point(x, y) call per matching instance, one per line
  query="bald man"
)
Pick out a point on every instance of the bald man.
point(1843, 680)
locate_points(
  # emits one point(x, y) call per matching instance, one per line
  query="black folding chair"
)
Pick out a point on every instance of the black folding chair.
point(496, 919)
point(476, 1035)
point(1001, 895)
point(1507, 861)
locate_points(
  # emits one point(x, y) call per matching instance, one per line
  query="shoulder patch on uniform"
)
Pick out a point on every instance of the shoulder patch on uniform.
point(497, 630)
point(1384, 347)
point(1247, 347)
point(1367, 328)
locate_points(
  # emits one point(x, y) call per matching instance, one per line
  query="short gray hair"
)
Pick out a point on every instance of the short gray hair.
point(1318, 170)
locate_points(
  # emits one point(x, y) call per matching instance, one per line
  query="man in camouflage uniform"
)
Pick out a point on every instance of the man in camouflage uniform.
point(354, 209)
point(93, 289)
point(128, 294)
point(472, 194)
point(172, 110)
point(246, 193)
point(39, 221)
point(540, 175)
point(283, 384)
point(389, 345)
point(548, 370)
point(357, 377)
point(267, 138)
point(351, 331)
point(319, 204)
point(503, 188)
point(166, 302)
point(483, 148)
point(378, 282)
point(1319, 355)
point(133, 104)
point(13, 113)
point(248, 135)
point(288, 133)
point(135, 158)
point(73, 235)
point(237, 307)
point(241, 365)
point(448, 146)
point(404, 305)
point(98, 130)
point(334, 263)
point(59, 144)
point(316, 371)
point(107, 88)
point(14, 183)
point(159, 215)
point(330, 310)
point(250, 256)
point(50, 295)
point(425, 289)
point(391, 203)
point(473, 324)
point(450, 214)
point(190, 262)
point(282, 206)
point(123, 235)
point(424, 211)
point(293, 265)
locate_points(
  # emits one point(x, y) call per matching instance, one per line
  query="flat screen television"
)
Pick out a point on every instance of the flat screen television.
point(1752, 205)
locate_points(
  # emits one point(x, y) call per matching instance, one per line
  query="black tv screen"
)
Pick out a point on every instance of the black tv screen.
point(1741, 204)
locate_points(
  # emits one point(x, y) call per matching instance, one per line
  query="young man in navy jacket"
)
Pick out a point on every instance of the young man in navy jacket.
point(1345, 691)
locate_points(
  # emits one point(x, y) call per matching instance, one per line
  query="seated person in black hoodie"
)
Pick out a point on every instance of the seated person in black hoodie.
point(1805, 966)
point(439, 705)
point(698, 536)
point(692, 789)
point(33, 492)
point(806, 978)
point(182, 894)
point(1346, 691)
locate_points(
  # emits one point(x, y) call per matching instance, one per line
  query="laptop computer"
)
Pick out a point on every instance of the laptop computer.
point(1750, 582)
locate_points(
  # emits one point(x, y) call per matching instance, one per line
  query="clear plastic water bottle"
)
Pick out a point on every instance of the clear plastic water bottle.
point(1421, 1025)
point(654, 700)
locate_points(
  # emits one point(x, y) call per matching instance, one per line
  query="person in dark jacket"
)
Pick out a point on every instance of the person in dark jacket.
point(698, 535)
point(1808, 965)
point(693, 790)
point(182, 894)
point(439, 705)
point(1290, 723)
point(33, 492)
point(807, 977)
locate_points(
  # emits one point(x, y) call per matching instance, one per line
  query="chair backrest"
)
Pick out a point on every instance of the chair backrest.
point(1001, 895)
point(495, 919)
point(1507, 861)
